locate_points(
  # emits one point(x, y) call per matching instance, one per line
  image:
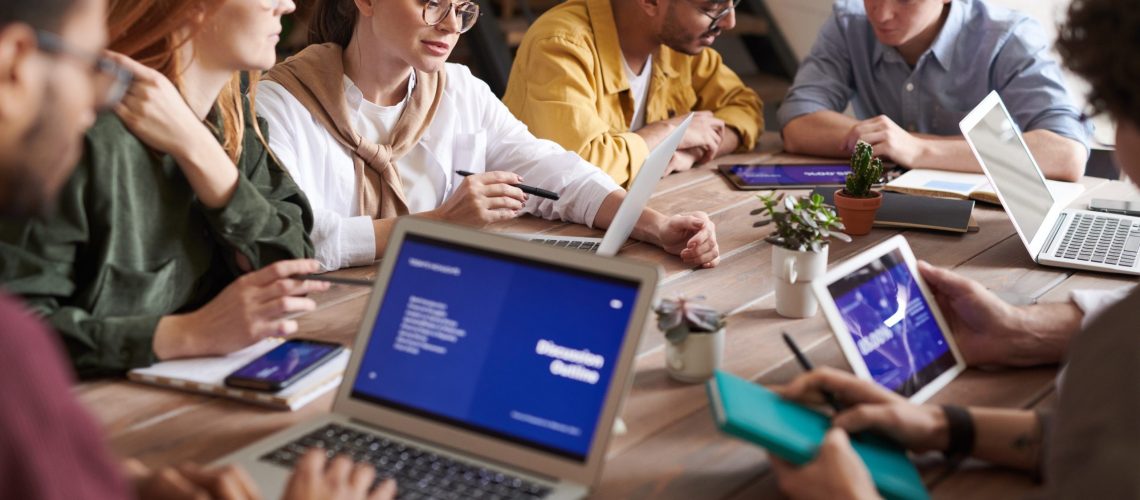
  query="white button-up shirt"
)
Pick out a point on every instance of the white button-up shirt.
point(472, 131)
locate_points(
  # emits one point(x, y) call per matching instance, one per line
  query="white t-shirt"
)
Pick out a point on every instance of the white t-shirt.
point(639, 90)
point(375, 123)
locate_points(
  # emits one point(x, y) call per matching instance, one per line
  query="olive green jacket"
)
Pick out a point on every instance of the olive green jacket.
point(128, 242)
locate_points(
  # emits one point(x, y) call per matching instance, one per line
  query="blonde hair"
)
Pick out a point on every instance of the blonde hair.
point(148, 32)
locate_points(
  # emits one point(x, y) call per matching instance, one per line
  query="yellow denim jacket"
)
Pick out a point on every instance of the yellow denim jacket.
point(568, 85)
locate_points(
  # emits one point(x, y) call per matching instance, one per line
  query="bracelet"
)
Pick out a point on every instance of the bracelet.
point(961, 427)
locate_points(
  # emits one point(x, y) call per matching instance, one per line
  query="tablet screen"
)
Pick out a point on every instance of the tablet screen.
point(791, 175)
point(891, 324)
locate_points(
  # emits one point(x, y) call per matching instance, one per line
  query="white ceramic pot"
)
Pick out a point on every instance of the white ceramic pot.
point(794, 272)
point(694, 359)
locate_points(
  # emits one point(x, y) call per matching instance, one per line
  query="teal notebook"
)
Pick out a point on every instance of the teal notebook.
point(793, 432)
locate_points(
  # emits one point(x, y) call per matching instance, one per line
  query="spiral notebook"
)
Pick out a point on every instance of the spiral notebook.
point(207, 375)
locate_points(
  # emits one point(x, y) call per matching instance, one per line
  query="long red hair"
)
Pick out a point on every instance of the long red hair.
point(148, 31)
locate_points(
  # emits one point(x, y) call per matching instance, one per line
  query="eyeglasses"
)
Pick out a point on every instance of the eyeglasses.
point(111, 79)
point(436, 12)
point(718, 14)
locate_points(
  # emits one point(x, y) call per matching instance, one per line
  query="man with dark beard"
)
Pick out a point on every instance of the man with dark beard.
point(610, 79)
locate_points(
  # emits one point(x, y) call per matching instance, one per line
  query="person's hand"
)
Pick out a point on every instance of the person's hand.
point(339, 479)
point(984, 326)
point(870, 406)
point(837, 472)
point(190, 481)
point(154, 110)
point(691, 236)
point(704, 132)
point(683, 159)
point(887, 138)
point(482, 199)
point(253, 307)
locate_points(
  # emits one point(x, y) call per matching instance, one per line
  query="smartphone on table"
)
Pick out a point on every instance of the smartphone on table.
point(283, 365)
point(1115, 206)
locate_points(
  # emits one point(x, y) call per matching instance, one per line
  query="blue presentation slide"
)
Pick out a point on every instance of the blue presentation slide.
point(892, 325)
point(791, 175)
point(520, 350)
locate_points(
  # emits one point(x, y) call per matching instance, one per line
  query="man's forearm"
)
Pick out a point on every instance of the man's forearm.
point(819, 134)
point(1048, 330)
point(648, 227)
point(1012, 438)
point(1060, 158)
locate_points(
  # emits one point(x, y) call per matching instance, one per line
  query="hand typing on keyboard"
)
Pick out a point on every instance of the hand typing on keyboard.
point(317, 477)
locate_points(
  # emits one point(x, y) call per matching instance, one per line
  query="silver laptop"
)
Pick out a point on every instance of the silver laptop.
point(485, 367)
point(1053, 234)
point(630, 210)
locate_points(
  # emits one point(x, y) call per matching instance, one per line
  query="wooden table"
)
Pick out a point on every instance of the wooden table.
point(672, 449)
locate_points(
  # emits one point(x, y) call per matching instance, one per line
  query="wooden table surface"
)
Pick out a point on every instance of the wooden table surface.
point(672, 449)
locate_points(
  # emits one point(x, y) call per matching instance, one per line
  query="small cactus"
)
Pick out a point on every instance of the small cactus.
point(866, 171)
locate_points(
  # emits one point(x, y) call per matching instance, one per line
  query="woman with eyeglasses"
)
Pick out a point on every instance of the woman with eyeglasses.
point(373, 124)
point(177, 232)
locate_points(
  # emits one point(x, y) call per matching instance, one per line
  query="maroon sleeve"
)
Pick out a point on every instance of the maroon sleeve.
point(50, 448)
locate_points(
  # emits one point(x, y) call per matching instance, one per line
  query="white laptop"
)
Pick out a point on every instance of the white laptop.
point(485, 367)
point(630, 210)
point(1053, 234)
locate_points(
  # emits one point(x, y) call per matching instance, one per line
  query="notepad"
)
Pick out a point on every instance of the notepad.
point(918, 212)
point(794, 432)
point(966, 186)
point(207, 375)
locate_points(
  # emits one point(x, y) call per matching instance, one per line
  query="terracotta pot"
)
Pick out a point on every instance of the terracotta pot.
point(858, 214)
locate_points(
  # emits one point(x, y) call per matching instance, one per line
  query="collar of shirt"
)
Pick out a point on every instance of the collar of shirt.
point(942, 49)
point(355, 97)
point(609, 49)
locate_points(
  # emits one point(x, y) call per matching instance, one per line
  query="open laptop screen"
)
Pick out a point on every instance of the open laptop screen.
point(1015, 175)
point(508, 347)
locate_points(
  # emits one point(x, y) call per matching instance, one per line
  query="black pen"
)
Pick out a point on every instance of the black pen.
point(806, 364)
point(525, 188)
point(332, 279)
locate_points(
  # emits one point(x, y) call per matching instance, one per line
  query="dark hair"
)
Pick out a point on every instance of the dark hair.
point(1099, 42)
point(333, 21)
point(47, 15)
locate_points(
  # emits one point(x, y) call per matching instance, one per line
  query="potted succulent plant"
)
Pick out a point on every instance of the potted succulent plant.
point(857, 203)
point(695, 338)
point(803, 230)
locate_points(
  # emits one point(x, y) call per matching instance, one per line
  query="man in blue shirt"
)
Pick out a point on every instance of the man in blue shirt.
point(912, 69)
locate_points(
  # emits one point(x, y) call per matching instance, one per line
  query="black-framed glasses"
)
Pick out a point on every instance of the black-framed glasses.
point(111, 79)
point(719, 13)
point(436, 12)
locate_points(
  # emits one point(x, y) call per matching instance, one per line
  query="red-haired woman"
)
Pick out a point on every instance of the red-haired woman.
point(177, 233)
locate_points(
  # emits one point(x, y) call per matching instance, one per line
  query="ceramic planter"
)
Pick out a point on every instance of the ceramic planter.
point(858, 214)
point(694, 359)
point(794, 272)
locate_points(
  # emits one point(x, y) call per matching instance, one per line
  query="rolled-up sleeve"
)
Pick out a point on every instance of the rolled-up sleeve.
point(1032, 86)
point(721, 91)
point(268, 217)
point(825, 81)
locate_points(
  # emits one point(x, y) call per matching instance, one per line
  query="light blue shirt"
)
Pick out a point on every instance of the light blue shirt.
point(982, 47)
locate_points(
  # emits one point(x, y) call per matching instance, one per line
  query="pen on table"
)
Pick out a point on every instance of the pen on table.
point(332, 279)
point(525, 188)
point(806, 364)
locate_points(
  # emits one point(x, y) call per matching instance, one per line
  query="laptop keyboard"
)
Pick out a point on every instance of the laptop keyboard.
point(419, 474)
point(1101, 239)
point(585, 246)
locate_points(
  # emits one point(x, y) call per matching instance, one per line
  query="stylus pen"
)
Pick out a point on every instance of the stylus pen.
point(525, 188)
point(332, 279)
point(806, 364)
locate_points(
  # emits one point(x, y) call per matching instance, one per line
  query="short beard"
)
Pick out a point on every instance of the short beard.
point(30, 188)
point(672, 34)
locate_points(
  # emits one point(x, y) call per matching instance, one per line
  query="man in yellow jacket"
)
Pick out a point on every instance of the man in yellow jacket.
point(611, 78)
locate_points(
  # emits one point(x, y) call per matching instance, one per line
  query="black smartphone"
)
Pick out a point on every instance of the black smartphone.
point(284, 365)
point(1115, 206)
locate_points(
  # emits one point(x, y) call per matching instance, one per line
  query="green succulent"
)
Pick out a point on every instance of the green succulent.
point(804, 224)
point(680, 316)
point(866, 171)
